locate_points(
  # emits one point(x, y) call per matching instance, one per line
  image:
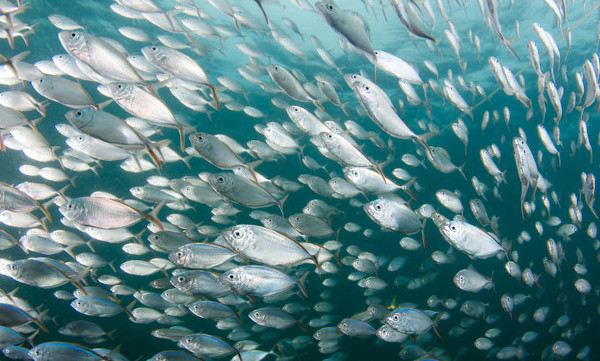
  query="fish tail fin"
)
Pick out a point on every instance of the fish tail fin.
point(318, 105)
point(128, 308)
point(262, 9)
point(301, 282)
point(302, 326)
point(378, 168)
point(461, 169)
point(343, 106)
point(38, 320)
point(181, 137)
point(45, 211)
point(112, 353)
point(152, 216)
point(422, 140)
point(437, 331)
point(280, 203)
point(110, 335)
point(30, 338)
point(214, 94)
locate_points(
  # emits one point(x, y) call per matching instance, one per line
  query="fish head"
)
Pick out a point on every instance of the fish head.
point(344, 326)
point(221, 182)
point(73, 209)
point(80, 305)
point(43, 84)
point(378, 210)
point(297, 220)
point(39, 353)
point(154, 53)
point(188, 343)
point(276, 72)
point(119, 90)
point(398, 320)
point(353, 175)
point(326, 9)
point(233, 278)
point(79, 118)
point(137, 191)
point(73, 41)
point(197, 308)
point(14, 269)
point(201, 142)
point(329, 139)
point(351, 79)
point(181, 281)
point(180, 256)
point(295, 113)
point(239, 237)
point(258, 316)
point(383, 332)
point(453, 231)
point(460, 279)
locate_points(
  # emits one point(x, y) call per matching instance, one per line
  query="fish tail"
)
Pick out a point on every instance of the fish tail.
point(318, 105)
point(181, 137)
point(343, 106)
point(152, 216)
point(461, 168)
point(301, 282)
point(302, 326)
point(262, 9)
point(214, 94)
point(437, 331)
point(378, 168)
point(38, 321)
point(45, 211)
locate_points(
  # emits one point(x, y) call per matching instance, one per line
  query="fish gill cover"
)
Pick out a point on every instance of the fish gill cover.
point(299, 180)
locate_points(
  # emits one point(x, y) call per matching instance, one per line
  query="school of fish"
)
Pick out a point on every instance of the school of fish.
point(288, 180)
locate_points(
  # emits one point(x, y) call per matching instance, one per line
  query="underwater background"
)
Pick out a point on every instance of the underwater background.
point(572, 315)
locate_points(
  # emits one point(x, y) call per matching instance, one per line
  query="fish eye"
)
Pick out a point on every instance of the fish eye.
point(329, 7)
point(395, 318)
point(69, 206)
point(154, 48)
point(119, 86)
point(256, 314)
point(367, 87)
point(355, 173)
point(80, 138)
point(378, 207)
point(220, 179)
point(329, 136)
point(78, 303)
point(179, 254)
point(78, 113)
point(13, 267)
point(453, 227)
point(73, 35)
point(231, 276)
point(38, 352)
point(181, 279)
point(200, 137)
point(237, 233)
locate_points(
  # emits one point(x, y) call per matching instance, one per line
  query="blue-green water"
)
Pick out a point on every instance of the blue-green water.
point(349, 297)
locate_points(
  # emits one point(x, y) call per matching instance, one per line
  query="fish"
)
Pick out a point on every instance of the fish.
point(345, 25)
point(105, 213)
point(471, 240)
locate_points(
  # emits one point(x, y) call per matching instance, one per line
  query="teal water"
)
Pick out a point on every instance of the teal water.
point(458, 331)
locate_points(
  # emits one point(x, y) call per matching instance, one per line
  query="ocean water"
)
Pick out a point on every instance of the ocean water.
point(573, 313)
